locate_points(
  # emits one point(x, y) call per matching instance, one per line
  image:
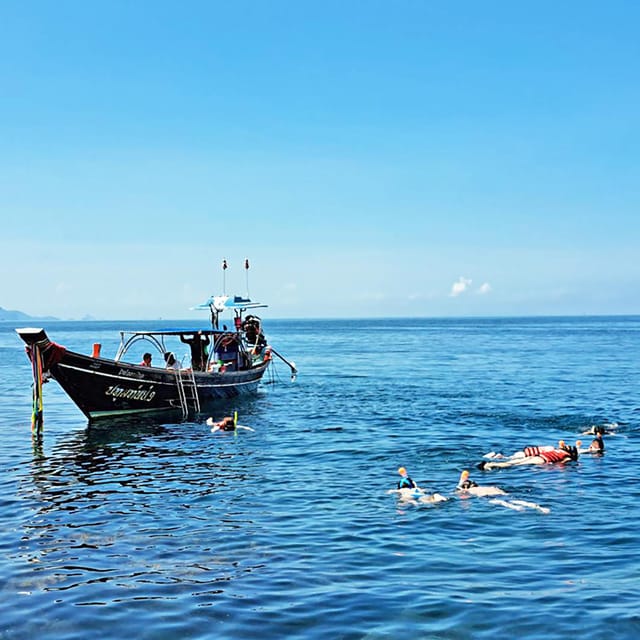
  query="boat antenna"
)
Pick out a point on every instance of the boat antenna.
point(224, 276)
point(246, 270)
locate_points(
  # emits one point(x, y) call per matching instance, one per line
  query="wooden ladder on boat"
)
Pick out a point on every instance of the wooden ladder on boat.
point(187, 391)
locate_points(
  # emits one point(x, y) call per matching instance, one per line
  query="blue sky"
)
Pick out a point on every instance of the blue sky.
point(429, 158)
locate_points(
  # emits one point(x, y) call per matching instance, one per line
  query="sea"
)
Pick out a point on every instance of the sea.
point(162, 529)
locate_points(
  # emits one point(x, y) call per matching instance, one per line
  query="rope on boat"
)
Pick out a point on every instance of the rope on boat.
point(291, 365)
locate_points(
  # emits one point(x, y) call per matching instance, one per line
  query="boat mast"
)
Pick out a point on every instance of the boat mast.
point(246, 270)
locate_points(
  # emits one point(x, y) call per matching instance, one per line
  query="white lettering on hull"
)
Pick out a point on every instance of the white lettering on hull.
point(142, 394)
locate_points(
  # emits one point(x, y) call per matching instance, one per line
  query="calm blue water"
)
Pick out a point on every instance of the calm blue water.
point(160, 531)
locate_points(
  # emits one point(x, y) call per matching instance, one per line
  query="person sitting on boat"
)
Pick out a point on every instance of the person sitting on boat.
point(253, 333)
point(146, 360)
point(562, 455)
point(198, 345)
point(171, 361)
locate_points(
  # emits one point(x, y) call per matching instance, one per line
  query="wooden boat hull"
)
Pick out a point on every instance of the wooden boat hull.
point(102, 387)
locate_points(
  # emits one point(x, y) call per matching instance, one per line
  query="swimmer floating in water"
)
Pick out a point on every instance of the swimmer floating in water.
point(526, 452)
point(405, 481)
point(467, 487)
point(597, 446)
point(602, 429)
point(409, 492)
point(228, 423)
point(536, 455)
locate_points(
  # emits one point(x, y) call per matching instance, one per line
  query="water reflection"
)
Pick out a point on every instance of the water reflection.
point(116, 504)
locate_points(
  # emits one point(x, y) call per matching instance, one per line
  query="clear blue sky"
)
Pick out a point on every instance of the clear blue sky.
point(417, 158)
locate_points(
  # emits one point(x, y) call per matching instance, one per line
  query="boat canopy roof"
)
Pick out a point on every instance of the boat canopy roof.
point(222, 303)
point(171, 332)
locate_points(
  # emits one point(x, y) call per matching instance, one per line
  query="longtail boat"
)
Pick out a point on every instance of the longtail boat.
point(223, 364)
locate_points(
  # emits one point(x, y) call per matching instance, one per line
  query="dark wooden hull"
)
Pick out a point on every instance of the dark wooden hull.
point(101, 387)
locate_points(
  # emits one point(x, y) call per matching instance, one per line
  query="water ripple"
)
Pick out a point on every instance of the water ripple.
point(167, 530)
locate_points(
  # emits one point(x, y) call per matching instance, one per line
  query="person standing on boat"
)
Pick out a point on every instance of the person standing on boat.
point(146, 360)
point(198, 345)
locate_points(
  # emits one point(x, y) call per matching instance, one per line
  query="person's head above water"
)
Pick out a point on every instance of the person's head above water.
point(573, 451)
point(465, 482)
point(402, 471)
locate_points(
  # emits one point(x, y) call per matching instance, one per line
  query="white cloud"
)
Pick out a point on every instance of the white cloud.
point(485, 288)
point(460, 286)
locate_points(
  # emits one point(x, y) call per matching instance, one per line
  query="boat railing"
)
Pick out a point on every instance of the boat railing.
point(126, 344)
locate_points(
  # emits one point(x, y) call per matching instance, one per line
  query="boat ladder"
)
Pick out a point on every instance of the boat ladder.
point(187, 391)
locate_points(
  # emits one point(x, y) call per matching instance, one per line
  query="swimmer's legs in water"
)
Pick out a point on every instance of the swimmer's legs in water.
point(519, 505)
point(418, 495)
point(434, 497)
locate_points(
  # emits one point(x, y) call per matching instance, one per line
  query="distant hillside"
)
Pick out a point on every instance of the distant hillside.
point(18, 316)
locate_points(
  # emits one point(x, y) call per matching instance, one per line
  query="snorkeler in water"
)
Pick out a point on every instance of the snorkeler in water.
point(526, 452)
point(405, 481)
point(597, 446)
point(467, 487)
point(608, 428)
point(535, 455)
point(228, 423)
point(408, 491)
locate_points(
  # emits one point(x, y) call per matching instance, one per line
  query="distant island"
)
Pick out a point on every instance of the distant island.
point(7, 315)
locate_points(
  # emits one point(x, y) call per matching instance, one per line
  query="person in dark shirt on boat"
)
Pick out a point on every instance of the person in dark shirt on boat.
point(405, 481)
point(146, 360)
point(198, 345)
